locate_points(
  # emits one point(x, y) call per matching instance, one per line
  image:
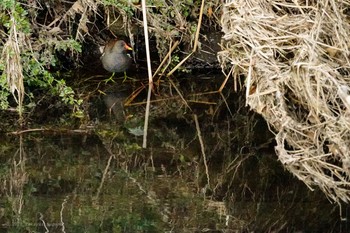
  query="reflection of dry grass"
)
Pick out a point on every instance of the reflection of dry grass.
point(295, 58)
point(14, 182)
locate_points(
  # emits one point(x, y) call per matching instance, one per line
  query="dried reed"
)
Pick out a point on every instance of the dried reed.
point(294, 56)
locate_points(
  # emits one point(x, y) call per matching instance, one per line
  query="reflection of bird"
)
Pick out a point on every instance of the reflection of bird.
point(114, 57)
point(115, 104)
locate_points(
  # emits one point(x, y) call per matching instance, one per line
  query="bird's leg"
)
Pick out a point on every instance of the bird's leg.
point(125, 76)
point(110, 79)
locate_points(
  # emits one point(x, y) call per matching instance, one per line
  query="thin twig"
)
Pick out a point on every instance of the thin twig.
point(179, 64)
point(149, 68)
point(166, 57)
point(195, 42)
point(225, 81)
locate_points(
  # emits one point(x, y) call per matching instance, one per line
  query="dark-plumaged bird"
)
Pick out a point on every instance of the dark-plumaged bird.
point(115, 58)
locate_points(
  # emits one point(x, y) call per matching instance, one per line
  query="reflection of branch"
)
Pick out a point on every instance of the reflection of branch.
point(61, 214)
point(151, 196)
point(105, 172)
point(43, 222)
point(202, 148)
point(80, 131)
point(178, 91)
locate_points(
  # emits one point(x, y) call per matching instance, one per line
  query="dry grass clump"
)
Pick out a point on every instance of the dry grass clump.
point(294, 56)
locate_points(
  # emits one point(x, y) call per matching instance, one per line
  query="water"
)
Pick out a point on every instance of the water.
point(98, 179)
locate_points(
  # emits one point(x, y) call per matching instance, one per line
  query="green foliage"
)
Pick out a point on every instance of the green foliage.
point(38, 55)
point(7, 4)
point(18, 15)
point(68, 44)
point(3, 99)
point(169, 11)
point(66, 93)
point(121, 5)
point(4, 92)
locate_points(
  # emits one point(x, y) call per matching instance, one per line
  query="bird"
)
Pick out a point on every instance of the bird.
point(115, 58)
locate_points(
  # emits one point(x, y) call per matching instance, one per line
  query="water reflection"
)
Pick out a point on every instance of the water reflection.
point(76, 183)
point(98, 179)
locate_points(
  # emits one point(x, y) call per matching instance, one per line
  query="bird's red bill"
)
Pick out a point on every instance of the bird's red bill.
point(127, 47)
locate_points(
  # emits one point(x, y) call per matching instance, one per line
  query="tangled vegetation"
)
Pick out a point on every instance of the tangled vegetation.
point(295, 57)
point(29, 58)
point(38, 37)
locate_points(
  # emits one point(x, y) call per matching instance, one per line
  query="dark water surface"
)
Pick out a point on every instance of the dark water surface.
point(98, 179)
point(76, 183)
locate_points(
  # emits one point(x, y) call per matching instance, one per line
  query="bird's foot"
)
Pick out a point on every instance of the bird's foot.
point(126, 77)
point(110, 79)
